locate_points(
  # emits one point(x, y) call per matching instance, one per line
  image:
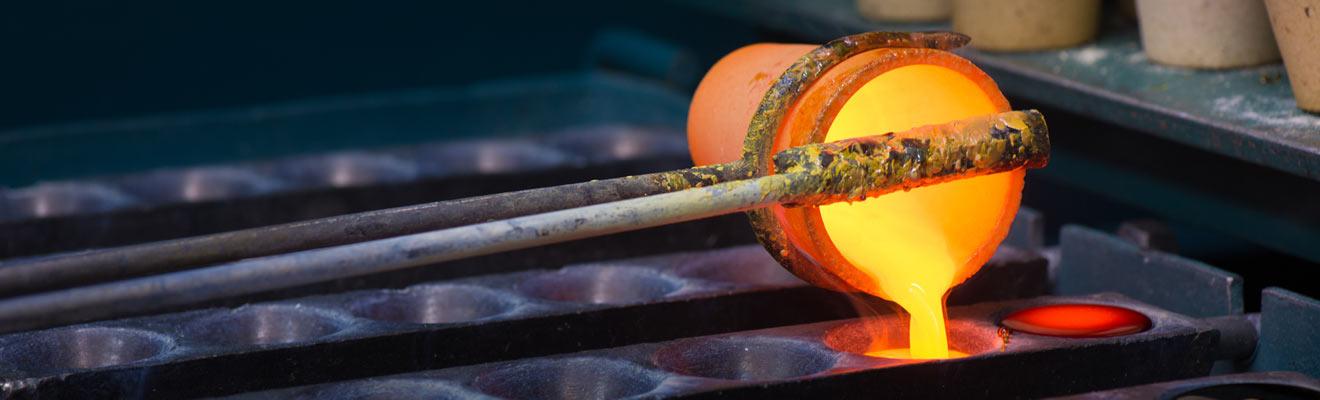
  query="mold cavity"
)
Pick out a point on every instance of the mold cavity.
point(349, 169)
point(874, 336)
point(200, 185)
point(747, 265)
point(1077, 321)
point(573, 378)
point(613, 143)
point(262, 325)
point(436, 304)
point(382, 389)
point(488, 157)
point(601, 285)
point(1236, 391)
point(83, 348)
point(57, 199)
point(747, 358)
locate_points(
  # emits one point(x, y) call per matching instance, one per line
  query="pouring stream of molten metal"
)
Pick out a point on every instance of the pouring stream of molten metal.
point(916, 244)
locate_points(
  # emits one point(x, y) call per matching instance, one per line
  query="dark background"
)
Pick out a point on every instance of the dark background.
point(66, 61)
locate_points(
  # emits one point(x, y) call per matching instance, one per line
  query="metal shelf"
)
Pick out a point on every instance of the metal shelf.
point(1247, 114)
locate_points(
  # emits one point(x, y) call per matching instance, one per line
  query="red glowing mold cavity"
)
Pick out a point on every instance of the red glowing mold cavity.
point(1077, 321)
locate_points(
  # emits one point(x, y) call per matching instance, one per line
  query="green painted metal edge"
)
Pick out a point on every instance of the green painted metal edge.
point(1093, 262)
point(1289, 333)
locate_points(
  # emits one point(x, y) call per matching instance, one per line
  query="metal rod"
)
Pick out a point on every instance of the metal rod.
point(310, 266)
point(42, 273)
point(810, 175)
point(37, 274)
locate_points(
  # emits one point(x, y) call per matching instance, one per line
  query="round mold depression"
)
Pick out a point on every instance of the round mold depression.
point(573, 378)
point(613, 143)
point(1236, 391)
point(57, 199)
point(740, 266)
point(1077, 321)
point(488, 157)
point(874, 334)
point(601, 285)
point(84, 348)
point(351, 169)
point(200, 185)
point(439, 304)
point(748, 358)
point(262, 325)
point(382, 389)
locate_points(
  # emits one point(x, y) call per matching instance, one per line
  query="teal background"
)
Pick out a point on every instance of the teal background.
point(93, 88)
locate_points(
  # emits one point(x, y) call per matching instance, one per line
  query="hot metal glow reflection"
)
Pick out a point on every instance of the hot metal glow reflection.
point(1077, 321)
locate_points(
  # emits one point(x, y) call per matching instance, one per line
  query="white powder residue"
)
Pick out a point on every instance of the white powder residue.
point(1267, 110)
point(1091, 55)
point(1137, 58)
point(1086, 55)
point(1228, 105)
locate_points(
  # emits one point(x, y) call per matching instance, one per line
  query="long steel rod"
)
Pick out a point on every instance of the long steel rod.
point(273, 272)
point(44, 273)
point(809, 175)
point(36, 274)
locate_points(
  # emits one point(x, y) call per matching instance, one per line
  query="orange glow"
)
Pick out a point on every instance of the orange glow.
point(915, 245)
point(906, 353)
point(1077, 320)
point(728, 96)
point(909, 247)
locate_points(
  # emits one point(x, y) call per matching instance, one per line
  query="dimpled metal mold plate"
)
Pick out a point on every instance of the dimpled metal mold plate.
point(199, 184)
point(434, 304)
point(488, 157)
point(826, 360)
point(745, 358)
point(476, 320)
point(193, 201)
point(347, 170)
point(602, 284)
point(80, 348)
point(390, 389)
point(608, 143)
point(732, 267)
point(61, 199)
point(425, 326)
point(568, 378)
point(264, 324)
